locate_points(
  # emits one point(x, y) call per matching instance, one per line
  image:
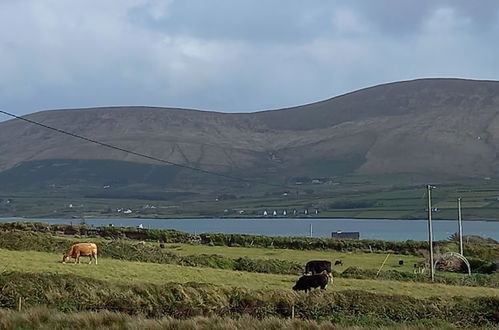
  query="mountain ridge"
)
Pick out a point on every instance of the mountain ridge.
point(435, 126)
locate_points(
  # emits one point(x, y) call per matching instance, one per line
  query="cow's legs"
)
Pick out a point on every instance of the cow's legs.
point(95, 258)
point(77, 261)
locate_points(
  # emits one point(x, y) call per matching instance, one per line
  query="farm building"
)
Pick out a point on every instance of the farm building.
point(345, 235)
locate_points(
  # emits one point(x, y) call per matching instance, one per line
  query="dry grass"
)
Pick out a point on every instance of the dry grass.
point(45, 319)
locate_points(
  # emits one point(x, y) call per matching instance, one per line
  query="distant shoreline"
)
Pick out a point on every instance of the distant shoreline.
point(230, 218)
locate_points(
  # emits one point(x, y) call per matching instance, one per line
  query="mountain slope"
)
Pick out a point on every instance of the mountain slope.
point(429, 127)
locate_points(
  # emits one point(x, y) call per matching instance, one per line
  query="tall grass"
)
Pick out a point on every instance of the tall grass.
point(72, 293)
point(46, 318)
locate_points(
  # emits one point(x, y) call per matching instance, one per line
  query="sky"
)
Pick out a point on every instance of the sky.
point(233, 55)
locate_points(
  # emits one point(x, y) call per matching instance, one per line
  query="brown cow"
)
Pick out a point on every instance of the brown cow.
point(81, 249)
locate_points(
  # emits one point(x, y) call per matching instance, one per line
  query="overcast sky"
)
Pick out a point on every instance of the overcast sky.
point(233, 55)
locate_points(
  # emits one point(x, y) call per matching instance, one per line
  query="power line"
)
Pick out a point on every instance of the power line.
point(107, 145)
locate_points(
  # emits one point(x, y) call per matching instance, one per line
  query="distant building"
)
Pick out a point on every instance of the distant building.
point(345, 235)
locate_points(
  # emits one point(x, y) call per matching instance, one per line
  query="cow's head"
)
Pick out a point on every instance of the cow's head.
point(65, 258)
point(301, 284)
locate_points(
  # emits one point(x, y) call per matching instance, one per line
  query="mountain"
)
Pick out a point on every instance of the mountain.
point(445, 128)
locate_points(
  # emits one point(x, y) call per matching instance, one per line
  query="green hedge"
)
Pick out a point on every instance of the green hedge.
point(111, 232)
point(73, 293)
point(173, 236)
point(308, 243)
point(488, 252)
point(473, 280)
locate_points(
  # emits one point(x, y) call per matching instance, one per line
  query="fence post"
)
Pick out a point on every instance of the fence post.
point(379, 270)
point(19, 304)
point(293, 312)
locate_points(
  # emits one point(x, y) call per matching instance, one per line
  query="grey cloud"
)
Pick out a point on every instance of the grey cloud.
point(297, 21)
point(255, 21)
point(230, 55)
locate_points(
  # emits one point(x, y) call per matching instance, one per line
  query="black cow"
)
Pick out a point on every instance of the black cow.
point(338, 262)
point(307, 282)
point(401, 262)
point(318, 266)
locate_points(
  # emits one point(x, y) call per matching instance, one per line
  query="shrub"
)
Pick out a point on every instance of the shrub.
point(274, 266)
point(479, 266)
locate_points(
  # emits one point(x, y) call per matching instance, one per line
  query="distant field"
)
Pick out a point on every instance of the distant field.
point(137, 272)
point(388, 198)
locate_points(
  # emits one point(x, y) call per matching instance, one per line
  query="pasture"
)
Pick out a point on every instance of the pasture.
point(145, 279)
point(127, 272)
point(349, 259)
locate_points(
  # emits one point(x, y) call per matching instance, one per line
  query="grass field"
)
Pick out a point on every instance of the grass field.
point(361, 260)
point(117, 271)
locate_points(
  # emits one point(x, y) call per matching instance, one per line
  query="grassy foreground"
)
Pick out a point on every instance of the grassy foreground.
point(44, 318)
point(127, 272)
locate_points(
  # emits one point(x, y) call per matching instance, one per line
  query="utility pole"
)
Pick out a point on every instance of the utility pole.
point(460, 225)
point(430, 233)
point(310, 230)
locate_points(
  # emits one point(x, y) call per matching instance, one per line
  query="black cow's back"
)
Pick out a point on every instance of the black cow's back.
point(318, 266)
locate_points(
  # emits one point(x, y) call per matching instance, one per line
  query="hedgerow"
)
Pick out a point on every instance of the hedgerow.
point(488, 252)
point(465, 280)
